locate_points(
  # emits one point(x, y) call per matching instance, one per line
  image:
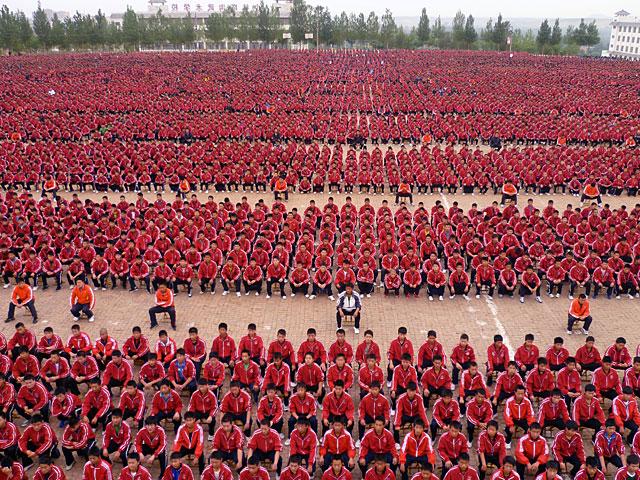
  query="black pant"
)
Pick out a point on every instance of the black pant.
point(574, 462)
point(365, 287)
point(521, 468)
point(79, 308)
point(554, 286)
point(271, 455)
point(571, 320)
point(348, 312)
point(169, 416)
point(256, 287)
point(53, 452)
point(270, 283)
point(524, 291)
point(123, 279)
point(44, 411)
point(81, 452)
point(607, 285)
point(522, 423)
point(154, 311)
point(162, 457)
point(388, 458)
point(147, 282)
point(303, 289)
point(317, 290)
point(615, 461)
point(100, 281)
point(31, 306)
point(182, 282)
point(435, 291)
point(57, 276)
point(192, 451)
point(487, 284)
point(207, 281)
point(225, 285)
point(203, 416)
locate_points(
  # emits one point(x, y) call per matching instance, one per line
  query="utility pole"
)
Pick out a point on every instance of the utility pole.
point(317, 33)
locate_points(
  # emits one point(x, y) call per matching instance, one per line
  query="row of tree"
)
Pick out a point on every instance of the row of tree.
point(261, 24)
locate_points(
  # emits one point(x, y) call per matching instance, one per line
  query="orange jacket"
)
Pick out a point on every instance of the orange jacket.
point(83, 296)
point(189, 440)
point(281, 185)
point(164, 299)
point(577, 310)
point(22, 295)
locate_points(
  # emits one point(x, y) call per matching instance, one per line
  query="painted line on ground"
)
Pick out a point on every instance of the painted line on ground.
point(499, 326)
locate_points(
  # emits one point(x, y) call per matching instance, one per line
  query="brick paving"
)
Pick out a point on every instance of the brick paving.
point(120, 310)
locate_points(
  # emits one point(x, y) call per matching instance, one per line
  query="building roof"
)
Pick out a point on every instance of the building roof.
point(621, 13)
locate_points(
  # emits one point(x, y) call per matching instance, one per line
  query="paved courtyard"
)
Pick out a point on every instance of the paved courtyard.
point(120, 310)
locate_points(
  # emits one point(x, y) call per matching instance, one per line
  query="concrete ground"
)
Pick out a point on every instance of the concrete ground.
point(119, 310)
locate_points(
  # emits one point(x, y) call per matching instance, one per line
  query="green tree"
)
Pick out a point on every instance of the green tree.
point(298, 20)
point(501, 30)
point(266, 31)
point(424, 30)
point(388, 28)
point(25, 32)
point(58, 36)
point(42, 26)
point(470, 34)
point(544, 35)
point(373, 28)
point(217, 27)
point(457, 30)
point(340, 30)
point(593, 35)
point(556, 34)
point(101, 32)
point(438, 33)
point(8, 29)
point(130, 29)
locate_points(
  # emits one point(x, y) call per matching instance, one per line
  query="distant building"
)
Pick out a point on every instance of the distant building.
point(625, 37)
point(62, 16)
point(200, 11)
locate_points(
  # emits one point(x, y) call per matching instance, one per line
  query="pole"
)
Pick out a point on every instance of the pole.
point(317, 34)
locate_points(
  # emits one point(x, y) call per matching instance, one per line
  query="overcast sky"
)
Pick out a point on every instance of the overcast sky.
point(478, 8)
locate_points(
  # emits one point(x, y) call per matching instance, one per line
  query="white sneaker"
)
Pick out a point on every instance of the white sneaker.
point(284, 297)
point(570, 297)
point(451, 297)
point(210, 437)
point(292, 384)
point(441, 298)
point(368, 295)
point(332, 298)
point(358, 444)
point(397, 446)
point(257, 294)
point(306, 295)
point(92, 319)
point(521, 299)
point(69, 467)
point(356, 330)
point(392, 412)
point(538, 299)
point(466, 297)
point(469, 444)
point(104, 288)
point(508, 445)
point(238, 294)
point(477, 296)
point(35, 288)
point(287, 442)
point(293, 295)
point(248, 293)
point(550, 295)
point(388, 384)
point(311, 297)
point(95, 289)
point(6, 285)
point(630, 296)
point(584, 332)
point(268, 296)
point(557, 295)
point(569, 332)
point(213, 292)
point(75, 319)
point(226, 292)
point(430, 298)
point(618, 297)
point(489, 297)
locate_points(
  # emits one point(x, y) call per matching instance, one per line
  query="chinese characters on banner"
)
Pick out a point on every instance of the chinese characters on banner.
point(211, 7)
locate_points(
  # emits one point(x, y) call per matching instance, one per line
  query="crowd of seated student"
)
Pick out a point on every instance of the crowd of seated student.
point(229, 166)
point(246, 97)
point(429, 409)
point(516, 250)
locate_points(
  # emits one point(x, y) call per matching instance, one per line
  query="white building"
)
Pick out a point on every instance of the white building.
point(625, 37)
